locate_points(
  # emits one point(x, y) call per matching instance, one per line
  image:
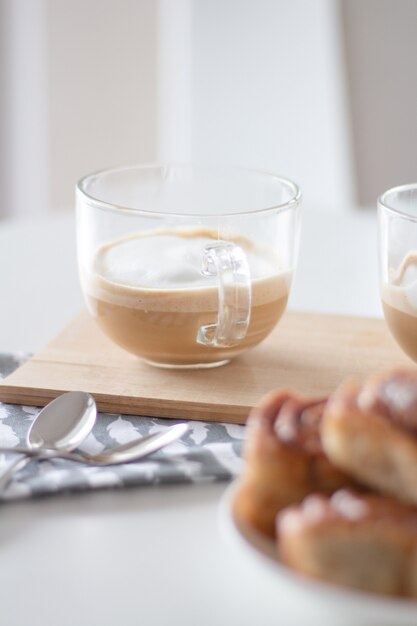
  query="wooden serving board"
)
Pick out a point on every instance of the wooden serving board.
point(311, 353)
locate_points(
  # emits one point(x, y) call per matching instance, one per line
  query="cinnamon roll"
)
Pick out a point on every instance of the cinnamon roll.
point(370, 432)
point(364, 541)
point(284, 459)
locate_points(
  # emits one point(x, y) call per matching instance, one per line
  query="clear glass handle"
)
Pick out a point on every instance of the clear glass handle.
point(229, 263)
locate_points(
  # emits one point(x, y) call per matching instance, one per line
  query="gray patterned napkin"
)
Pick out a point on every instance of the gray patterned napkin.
point(207, 452)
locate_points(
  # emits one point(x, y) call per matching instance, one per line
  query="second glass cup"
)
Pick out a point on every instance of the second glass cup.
point(186, 266)
point(397, 213)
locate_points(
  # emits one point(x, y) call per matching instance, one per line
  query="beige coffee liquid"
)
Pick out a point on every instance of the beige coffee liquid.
point(399, 301)
point(403, 327)
point(148, 295)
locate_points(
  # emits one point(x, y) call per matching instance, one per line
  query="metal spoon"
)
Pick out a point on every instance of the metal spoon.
point(131, 451)
point(61, 426)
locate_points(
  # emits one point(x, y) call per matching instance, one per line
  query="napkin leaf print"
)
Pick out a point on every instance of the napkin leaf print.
point(236, 431)
point(4, 414)
point(198, 432)
point(8, 437)
point(122, 430)
point(92, 445)
point(32, 410)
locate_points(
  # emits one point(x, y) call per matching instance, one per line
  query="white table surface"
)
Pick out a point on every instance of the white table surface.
point(150, 556)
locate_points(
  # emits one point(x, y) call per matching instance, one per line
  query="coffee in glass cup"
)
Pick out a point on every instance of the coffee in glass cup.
point(186, 266)
point(397, 215)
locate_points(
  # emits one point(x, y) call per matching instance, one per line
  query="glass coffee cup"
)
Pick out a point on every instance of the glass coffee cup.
point(397, 216)
point(186, 266)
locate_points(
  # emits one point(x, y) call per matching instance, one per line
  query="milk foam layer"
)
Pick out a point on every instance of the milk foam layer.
point(161, 271)
point(167, 261)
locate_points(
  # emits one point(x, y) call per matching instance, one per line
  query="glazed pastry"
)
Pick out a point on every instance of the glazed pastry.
point(365, 541)
point(370, 431)
point(284, 459)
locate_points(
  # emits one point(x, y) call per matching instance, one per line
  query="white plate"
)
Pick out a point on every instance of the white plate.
point(325, 601)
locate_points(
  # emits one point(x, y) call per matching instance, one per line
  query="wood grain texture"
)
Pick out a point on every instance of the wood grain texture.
point(311, 353)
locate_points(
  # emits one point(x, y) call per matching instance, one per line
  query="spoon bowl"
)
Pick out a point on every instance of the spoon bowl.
point(64, 423)
point(61, 426)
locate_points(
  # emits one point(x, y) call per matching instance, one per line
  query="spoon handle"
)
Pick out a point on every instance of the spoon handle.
point(131, 451)
point(20, 450)
point(18, 465)
point(125, 453)
point(139, 448)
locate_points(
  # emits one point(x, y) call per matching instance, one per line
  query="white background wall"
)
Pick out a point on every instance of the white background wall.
point(381, 55)
point(322, 91)
point(79, 94)
point(24, 127)
point(269, 92)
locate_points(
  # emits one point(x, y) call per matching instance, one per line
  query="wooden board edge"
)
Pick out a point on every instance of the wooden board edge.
point(149, 407)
